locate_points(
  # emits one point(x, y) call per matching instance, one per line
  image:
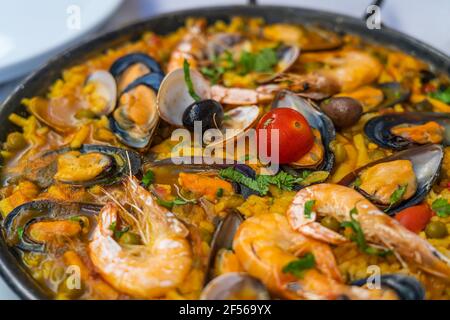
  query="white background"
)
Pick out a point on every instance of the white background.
point(428, 21)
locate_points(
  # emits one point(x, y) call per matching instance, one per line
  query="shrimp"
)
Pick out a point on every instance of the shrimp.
point(378, 228)
point(144, 271)
point(191, 47)
point(265, 244)
point(243, 97)
point(344, 71)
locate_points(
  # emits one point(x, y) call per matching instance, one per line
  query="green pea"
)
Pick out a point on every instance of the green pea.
point(436, 230)
point(331, 223)
point(15, 141)
point(130, 238)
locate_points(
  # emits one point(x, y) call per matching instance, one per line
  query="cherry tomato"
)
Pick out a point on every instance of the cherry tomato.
point(295, 135)
point(415, 218)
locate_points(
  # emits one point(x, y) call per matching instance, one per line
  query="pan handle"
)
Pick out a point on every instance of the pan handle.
point(252, 2)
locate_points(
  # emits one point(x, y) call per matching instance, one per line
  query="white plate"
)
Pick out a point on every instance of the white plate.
point(30, 31)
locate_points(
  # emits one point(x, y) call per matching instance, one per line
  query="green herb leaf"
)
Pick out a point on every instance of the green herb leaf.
point(148, 178)
point(298, 267)
point(357, 182)
point(265, 60)
point(119, 233)
point(219, 193)
point(188, 80)
point(308, 208)
point(441, 206)
point(20, 232)
point(442, 95)
point(397, 195)
point(359, 238)
point(113, 226)
point(170, 203)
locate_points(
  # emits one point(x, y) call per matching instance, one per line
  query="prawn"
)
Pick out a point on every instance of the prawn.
point(265, 244)
point(378, 228)
point(143, 271)
point(191, 47)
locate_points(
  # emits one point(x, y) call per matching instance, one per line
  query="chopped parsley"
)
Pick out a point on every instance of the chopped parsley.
point(357, 182)
point(308, 208)
point(118, 233)
point(442, 95)
point(148, 178)
point(220, 65)
point(219, 193)
point(188, 80)
point(298, 267)
point(442, 207)
point(358, 236)
point(20, 231)
point(262, 61)
point(397, 195)
point(176, 202)
point(261, 184)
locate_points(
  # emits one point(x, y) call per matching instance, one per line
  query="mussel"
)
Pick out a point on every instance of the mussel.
point(235, 286)
point(222, 239)
point(90, 165)
point(379, 129)
point(406, 288)
point(318, 121)
point(123, 63)
point(426, 162)
point(394, 92)
point(18, 222)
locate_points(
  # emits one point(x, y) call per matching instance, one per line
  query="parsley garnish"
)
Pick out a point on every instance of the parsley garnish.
point(261, 184)
point(397, 195)
point(308, 208)
point(442, 95)
point(357, 182)
point(20, 232)
point(442, 207)
point(176, 202)
point(359, 238)
point(263, 61)
point(118, 233)
point(188, 80)
point(148, 178)
point(220, 65)
point(298, 267)
point(219, 193)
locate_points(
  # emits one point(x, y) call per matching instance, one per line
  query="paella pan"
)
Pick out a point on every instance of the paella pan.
point(236, 157)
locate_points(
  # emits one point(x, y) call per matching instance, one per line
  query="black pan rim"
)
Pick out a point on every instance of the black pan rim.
point(11, 269)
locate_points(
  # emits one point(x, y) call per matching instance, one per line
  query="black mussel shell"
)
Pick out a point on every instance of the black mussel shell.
point(208, 112)
point(223, 239)
point(190, 164)
point(406, 288)
point(152, 81)
point(123, 63)
point(378, 129)
point(122, 161)
point(394, 93)
point(42, 210)
point(316, 119)
point(427, 162)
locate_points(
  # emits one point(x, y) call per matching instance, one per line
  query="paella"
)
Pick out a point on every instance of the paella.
point(235, 160)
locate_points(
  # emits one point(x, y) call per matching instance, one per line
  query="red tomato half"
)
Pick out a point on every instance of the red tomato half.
point(415, 218)
point(295, 135)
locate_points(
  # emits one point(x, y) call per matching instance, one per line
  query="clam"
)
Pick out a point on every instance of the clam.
point(90, 165)
point(177, 107)
point(380, 129)
point(406, 288)
point(218, 43)
point(235, 286)
point(426, 162)
point(25, 215)
point(323, 126)
point(393, 93)
point(136, 117)
point(287, 56)
point(222, 239)
point(106, 89)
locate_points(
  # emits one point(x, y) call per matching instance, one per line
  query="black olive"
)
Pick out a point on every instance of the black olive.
point(209, 112)
point(343, 111)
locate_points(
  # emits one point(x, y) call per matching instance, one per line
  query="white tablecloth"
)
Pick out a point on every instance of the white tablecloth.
point(425, 20)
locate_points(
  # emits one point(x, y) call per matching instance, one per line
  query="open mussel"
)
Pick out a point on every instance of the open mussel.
point(235, 286)
point(411, 174)
point(394, 92)
point(125, 62)
point(87, 166)
point(406, 288)
point(403, 130)
point(19, 223)
point(321, 156)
